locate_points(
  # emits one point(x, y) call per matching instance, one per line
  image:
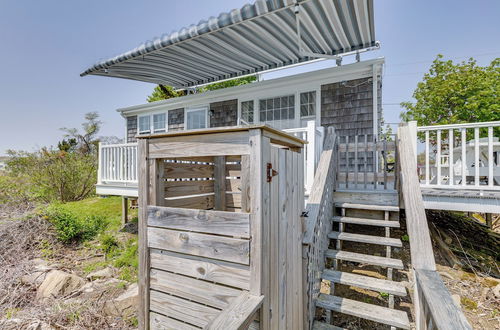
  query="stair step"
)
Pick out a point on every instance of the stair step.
point(324, 326)
point(371, 312)
point(365, 239)
point(367, 222)
point(368, 207)
point(365, 282)
point(365, 259)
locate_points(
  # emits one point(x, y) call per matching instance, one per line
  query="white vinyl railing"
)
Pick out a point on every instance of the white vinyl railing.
point(117, 163)
point(460, 156)
point(313, 134)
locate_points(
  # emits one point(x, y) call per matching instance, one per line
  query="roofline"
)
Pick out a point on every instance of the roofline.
point(323, 74)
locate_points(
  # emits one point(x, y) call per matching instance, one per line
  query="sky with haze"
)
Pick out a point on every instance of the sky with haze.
point(45, 45)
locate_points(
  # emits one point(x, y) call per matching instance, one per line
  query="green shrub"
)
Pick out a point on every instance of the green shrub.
point(108, 243)
point(70, 228)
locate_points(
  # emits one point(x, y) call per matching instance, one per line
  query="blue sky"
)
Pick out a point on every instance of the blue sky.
point(46, 44)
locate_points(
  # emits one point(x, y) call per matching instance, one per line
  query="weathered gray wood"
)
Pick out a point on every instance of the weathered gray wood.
point(443, 311)
point(186, 170)
point(143, 188)
point(367, 311)
point(368, 207)
point(186, 188)
point(239, 315)
point(365, 282)
point(204, 202)
point(367, 222)
point(283, 216)
point(422, 255)
point(214, 295)
point(367, 197)
point(360, 177)
point(369, 239)
point(233, 200)
point(124, 210)
point(158, 182)
point(184, 149)
point(233, 185)
point(182, 309)
point(161, 322)
point(220, 183)
point(391, 145)
point(210, 246)
point(323, 326)
point(245, 184)
point(204, 221)
point(274, 242)
point(364, 259)
point(217, 271)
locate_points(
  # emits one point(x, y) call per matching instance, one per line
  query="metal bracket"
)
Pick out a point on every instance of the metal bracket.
point(270, 172)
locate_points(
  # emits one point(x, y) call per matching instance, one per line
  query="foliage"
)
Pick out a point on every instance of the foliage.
point(13, 192)
point(70, 228)
point(50, 175)
point(86, 141)
point(456, 93)
point(108, 242)
point(163, 92)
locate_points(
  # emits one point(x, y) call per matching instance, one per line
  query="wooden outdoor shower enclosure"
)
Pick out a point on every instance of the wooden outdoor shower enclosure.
point(220, 229)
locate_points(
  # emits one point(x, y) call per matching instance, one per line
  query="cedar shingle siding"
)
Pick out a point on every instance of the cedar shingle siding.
point(176, 119)
point(348, 106)
point(131, 129)
point(224, 113)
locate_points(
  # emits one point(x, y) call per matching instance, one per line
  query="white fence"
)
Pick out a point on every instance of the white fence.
point(460, 156)
point(313, 134)
point(117, 163)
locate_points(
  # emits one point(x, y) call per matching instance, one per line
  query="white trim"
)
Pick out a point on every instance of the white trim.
point(204, 107)
point(303, 81)
point(139, 132)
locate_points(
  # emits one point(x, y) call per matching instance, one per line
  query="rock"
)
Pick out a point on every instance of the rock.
point(445, 274)
point(99, 284)
point(496, 291)
point(125, 304)
point(40, 325)
point(103, 273)
point(35, 278)
point(456, 299)
point(58, 283)
point(130, 227)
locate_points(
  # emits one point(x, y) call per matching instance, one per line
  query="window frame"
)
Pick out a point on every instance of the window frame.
point(143, 132)
point(161, 130)
point(197, 108)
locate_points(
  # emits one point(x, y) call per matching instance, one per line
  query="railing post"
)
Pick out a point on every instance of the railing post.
point(100, 166)
point(310, 154)
point(412, 126)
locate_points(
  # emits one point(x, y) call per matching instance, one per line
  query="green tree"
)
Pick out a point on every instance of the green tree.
point(87, 141)
point(163, 92)
point(456, 93)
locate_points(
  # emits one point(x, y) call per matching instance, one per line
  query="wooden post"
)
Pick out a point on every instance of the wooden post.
point(143, 312)
point(489, 220)
point(124, 210)
point(220, 183)
point(412, 126)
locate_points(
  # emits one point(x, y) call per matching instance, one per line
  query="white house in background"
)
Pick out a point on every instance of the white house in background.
point(257, 38)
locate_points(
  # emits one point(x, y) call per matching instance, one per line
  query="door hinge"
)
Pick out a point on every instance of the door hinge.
point(270, 172)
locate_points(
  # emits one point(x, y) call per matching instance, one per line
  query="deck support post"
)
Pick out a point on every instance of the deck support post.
point(124, 210)
point(489, 220)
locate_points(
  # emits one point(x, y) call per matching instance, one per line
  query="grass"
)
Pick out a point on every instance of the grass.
point(119, 249)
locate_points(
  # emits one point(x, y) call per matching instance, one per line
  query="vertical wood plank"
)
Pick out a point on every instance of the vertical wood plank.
point(300, 237)
point(385, 162)
point(143, 313)
point(158, 182)
point(476, 156)
point(464, 155)
point(438, 156)
point(124, 210)
point(220, 183)
point(274, 241)
point(245, 184)
point(295, 220)
point(289, 241)
point(283, 231)
point(450, 158)
point(427, 157)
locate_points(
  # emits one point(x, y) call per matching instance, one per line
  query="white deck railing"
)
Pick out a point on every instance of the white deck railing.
point(117, 163)
point(313, 134)
point(460, 156)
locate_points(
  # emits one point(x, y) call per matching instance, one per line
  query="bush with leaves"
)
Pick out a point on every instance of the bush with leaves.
point(70, 228)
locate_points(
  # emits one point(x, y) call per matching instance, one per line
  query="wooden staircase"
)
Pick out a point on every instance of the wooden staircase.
point(336, 274)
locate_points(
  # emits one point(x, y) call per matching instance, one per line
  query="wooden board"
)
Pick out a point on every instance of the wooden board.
point(181, 309)
point(233, 170)
point(200, 291)
point(184, 188)
point(184, 170)
point(213, 222)
point(233, 200)
point(210, 246)
point(233, 185)
point(226, 273)
point(204, 202)
point(239, 315)
point(161, 322)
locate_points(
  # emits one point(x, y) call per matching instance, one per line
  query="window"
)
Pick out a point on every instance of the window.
point(145, 124)
point(307, 104)
point(196, 118)
point(277, 109)
point(247, 112)
point(159, 122)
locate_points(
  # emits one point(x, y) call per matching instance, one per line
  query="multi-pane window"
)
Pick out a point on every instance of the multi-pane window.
point(144, 124)
point(307, 104)
point(196, 118)
point(159, 122)
point(277, 109)
point(247, 111)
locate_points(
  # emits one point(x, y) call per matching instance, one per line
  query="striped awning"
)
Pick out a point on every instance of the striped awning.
point(266, 35)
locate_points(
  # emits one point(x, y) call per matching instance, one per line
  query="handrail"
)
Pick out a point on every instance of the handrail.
point(239, 314)
point(319, 210)
point(465, 125)
point(434, 307)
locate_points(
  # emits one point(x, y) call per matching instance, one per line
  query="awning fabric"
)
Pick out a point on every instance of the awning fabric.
point(256, 38)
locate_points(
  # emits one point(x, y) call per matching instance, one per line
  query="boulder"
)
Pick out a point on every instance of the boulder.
point(58, 283)
point(100, 274)
point(457, 300)
point(100, 284)
point(35, 278)
point(40, 325)
point(496, 291)
point(124, 305)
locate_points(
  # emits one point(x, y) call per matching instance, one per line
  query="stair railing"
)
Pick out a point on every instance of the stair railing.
point(318, 217)
point(433, 305)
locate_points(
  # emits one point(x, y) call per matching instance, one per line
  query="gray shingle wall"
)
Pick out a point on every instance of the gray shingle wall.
point(131, 129)
point(348, 106)
point(224, 113)
point(176, 119)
